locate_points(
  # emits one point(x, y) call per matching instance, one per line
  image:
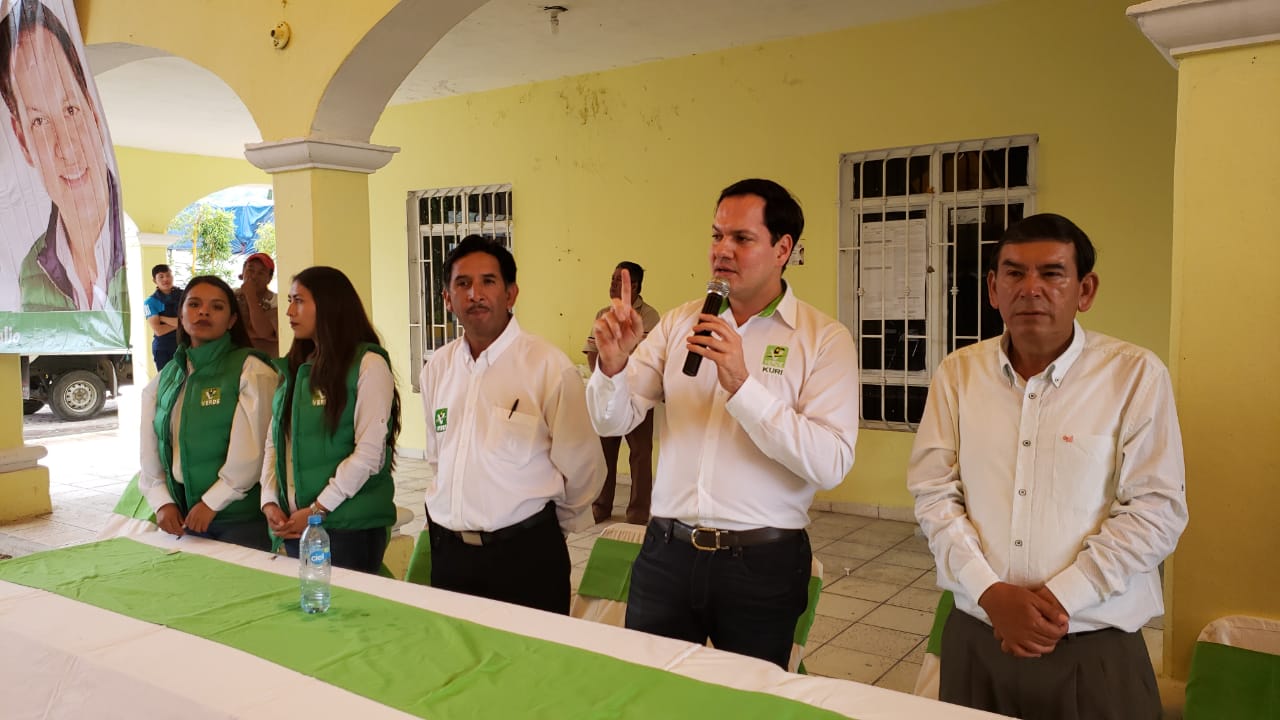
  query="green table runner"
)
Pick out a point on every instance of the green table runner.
point(414, 660)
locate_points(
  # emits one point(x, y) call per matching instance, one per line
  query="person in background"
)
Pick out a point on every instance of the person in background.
point(640, 440)
point(204, 424)
point(516, 461)
point(334, 426)
point(161, 309)
point(258, 305)
point(1048, 476)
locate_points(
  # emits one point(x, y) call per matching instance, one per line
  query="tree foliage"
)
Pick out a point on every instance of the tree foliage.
point(265, 238)
point(210, 230)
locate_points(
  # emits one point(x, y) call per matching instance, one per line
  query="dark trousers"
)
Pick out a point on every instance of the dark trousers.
point(746, 600)
point(1100, 675)
point(640, 451)
point(249, 533)
point(162, 355)
point(528, 567)
point(360, 550)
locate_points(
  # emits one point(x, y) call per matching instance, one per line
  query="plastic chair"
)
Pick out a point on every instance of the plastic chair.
point(931, 666)
point(602, 594)
point(1235, 670)
point(132, 514)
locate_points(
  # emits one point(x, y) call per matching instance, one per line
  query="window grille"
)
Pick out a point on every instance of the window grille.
point(917, 229)
point(438, 220)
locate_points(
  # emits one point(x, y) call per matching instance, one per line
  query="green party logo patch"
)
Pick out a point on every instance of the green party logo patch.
point(317, 398)
point(210, 396)
point(775, 359)
point(442, 419)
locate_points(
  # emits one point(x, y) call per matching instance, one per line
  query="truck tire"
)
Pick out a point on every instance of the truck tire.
point(31, 407)
point(77, 395)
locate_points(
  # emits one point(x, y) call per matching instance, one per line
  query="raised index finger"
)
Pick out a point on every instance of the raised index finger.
point(623, 305)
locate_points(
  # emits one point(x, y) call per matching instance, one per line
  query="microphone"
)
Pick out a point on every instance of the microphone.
point(717, 291)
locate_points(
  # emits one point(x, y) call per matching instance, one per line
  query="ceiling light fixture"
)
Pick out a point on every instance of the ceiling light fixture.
point(554, 11)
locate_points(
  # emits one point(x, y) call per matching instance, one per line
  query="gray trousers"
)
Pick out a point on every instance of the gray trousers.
point(1100, 675)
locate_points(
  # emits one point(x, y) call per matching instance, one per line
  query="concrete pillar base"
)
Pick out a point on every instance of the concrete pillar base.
point(24, 493)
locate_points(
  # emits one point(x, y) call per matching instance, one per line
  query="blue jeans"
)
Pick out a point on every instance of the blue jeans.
point(746, 600)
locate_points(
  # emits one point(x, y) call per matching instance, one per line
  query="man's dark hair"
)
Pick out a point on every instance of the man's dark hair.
point(782, 214)
point(1054, 228)
point(24, 20)
point(156, 270)
point(635, 271)
point(472, 244)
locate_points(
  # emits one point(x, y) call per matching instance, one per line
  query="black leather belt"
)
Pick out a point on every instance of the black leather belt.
point(480, 538)
point(712, 539)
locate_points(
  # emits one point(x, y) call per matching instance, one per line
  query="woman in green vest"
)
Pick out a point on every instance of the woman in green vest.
point(334, 425)
point(204, 423)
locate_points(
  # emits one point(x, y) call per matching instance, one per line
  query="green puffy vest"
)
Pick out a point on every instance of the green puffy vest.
point(318, 452)
point(210, 395)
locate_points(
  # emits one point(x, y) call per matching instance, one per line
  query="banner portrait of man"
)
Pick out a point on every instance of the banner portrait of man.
point(67, 267)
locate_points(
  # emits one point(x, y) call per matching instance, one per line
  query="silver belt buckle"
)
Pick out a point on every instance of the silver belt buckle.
point(471, 538)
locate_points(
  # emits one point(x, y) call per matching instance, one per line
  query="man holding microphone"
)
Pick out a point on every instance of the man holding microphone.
point(745, 443)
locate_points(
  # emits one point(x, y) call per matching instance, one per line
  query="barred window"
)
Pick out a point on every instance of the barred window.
point(438, 220)
point(917, 229)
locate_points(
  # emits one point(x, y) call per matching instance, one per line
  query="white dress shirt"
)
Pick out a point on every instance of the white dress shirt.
point(1071, 479)
point(506, 432)
point(240, 471)
point(375, 390)
point(757, 458)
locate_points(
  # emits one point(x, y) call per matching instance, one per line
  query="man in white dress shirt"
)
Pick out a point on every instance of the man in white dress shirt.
point(770, 418)
point(517, 463)
point(1048, 477)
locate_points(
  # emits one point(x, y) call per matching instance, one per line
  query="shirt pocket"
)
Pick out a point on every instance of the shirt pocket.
point(1082, 470)
point(512, 435)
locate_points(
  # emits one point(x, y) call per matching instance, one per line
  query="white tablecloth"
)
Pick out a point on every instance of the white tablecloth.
point(64, 659)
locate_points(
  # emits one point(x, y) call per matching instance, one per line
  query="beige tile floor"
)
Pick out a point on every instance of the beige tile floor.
point(873, 616)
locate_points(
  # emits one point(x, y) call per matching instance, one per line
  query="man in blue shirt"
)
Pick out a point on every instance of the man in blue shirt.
point(161, 311)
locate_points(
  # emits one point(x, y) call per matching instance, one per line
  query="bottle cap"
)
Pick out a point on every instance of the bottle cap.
point(314, 520)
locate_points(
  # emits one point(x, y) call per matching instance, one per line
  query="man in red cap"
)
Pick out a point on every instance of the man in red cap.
point(258, 305)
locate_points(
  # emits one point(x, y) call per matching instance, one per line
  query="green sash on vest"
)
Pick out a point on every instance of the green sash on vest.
point(210, 395)
point(317, 452)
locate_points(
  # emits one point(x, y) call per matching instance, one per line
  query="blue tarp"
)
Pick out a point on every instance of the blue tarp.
point(250, 205)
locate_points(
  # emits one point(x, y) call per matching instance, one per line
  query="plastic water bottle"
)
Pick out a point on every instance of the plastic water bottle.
point(313, 570)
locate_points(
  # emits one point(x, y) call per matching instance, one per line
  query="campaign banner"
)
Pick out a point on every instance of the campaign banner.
point(62, 254)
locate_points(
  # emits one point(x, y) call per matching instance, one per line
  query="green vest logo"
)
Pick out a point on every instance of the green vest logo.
point(775, 359)
point(317, 398)
point(442, 419)
point(210, 396)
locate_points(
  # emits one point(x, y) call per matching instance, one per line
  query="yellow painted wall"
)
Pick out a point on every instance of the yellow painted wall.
point(1225, 342)
point(231, 38)
point(628, 163)
point(157, 185)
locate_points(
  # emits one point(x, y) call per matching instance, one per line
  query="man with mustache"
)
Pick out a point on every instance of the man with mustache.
point(517, 463)
point(78, 263)
point(771, 417)
point(1048, 477)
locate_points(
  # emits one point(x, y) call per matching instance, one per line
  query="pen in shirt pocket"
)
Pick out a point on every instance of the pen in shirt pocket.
point(514, 405)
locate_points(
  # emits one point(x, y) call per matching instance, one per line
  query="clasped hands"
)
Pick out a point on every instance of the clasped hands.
point(619, 331)
point(1027, 622)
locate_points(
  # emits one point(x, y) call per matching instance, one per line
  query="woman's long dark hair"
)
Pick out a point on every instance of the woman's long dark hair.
point(239, 335)
point(341, 325)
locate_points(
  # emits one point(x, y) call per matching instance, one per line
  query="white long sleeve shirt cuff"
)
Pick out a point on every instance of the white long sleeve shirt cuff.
point(609, 403)
point(268, 481)
point(976, 577)
point(1073, 590)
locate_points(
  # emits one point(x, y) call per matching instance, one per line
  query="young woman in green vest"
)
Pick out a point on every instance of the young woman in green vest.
point(335, 420)
point(204, 423)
